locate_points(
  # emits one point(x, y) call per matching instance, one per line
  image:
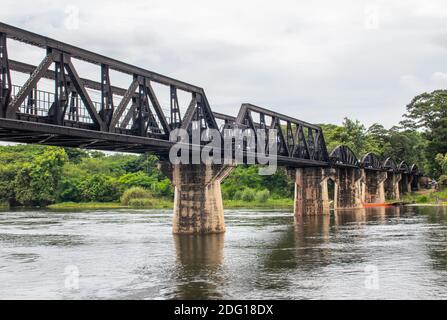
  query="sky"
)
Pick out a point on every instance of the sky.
point(318, 61)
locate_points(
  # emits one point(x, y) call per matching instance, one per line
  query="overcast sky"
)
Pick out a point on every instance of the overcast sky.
point(318, 61)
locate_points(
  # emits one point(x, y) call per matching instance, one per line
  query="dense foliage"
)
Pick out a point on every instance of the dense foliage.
point(399, 143)
point(37, 175)
point(428, 113)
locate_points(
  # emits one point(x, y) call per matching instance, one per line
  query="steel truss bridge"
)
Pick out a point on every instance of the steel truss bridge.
point(132, 119)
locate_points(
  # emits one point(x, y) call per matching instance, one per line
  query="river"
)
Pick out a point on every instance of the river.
point(392, 253)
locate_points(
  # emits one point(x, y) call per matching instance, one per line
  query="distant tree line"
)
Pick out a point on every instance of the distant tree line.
point(421, 137)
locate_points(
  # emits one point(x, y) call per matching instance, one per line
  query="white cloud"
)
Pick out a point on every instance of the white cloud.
point(412, 82)
point(416, 85)
point(439, 79)
point(318, 61)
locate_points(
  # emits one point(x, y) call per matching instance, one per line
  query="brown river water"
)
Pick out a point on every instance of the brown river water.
point(376, 253)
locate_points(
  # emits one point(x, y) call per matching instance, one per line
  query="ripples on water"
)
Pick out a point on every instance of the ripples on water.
point(133, 255)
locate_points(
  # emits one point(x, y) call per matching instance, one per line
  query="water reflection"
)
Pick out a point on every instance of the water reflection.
point(315, 242)
point(295, 248)
point(199, 263)
point(437, 236)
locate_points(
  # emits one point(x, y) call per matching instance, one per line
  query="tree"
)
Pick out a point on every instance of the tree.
point(75, 155)
point(355, 136)
point(352, 134)
point(7, 176)
point(36, 183)
point(99, 187)
point(428, 112)
point(378, 139)
point(405, 145)
point(442, 162)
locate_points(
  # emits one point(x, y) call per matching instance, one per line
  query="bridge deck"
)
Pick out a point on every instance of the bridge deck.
point(47, 134)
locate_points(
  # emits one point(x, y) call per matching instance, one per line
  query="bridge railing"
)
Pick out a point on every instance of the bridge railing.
point(38, 103)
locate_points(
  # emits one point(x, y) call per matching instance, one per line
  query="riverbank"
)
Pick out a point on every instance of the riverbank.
point(269, 204)
point(156, 204)
point(168, 204)
point(426, 197)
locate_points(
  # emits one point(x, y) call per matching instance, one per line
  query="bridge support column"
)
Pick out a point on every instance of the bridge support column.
point(198, 206)
point(416, 183)
point(392, 186)
point(410, 183)
point(348, 191)
point(311, 192)
point(405, 183)
point(374, 191)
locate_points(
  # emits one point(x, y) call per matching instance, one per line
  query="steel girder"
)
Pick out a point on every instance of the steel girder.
point(295, 138)
point(371, 162)
point(344, 156)
point(137, 123)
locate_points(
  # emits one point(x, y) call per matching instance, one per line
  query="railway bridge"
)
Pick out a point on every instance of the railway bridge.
point(51, 102)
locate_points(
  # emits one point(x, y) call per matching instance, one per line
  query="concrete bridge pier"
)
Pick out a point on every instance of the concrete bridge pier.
point(405, 183)
point(392, 186)
point(311, 192)
point(198, 206)
point(348, 188)
point(416, 183)
point(374, 186)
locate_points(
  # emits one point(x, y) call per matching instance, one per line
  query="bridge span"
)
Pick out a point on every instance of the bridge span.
point(55, 104)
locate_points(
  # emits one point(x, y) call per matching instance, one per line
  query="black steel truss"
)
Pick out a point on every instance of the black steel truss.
point(5, 75)
point(295, 138)
point(414, 170)
point(343, 155)
point(403, 167)
point(390, 165)
point(371, 162)
point(68, 116)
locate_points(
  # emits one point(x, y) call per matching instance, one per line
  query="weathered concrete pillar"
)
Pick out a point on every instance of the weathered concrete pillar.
point(410, 183)
point(404, 186)
point(392, 186)
point(198, 206)
point(348, 190)
point(311, 192)
point(374, 186)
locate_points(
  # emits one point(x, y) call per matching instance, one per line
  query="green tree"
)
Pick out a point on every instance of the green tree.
point(100, 188)
point(378, 139)
point(8, 173)
point(405, 144)
point(442, 162)
point(428, 112)
point(36, 183)
point(75, 155)
point(351, 133)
